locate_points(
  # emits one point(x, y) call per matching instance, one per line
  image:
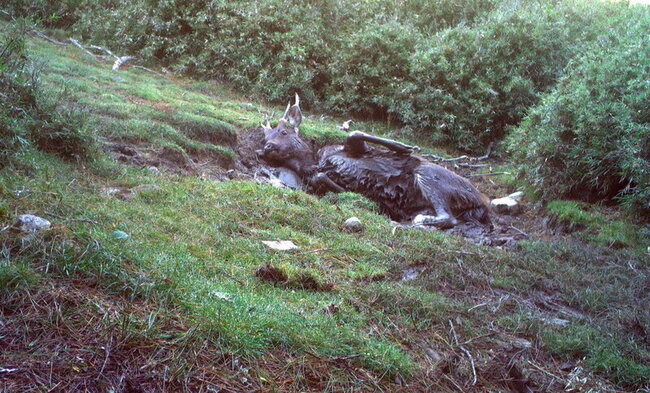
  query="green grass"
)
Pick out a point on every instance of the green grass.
point(595, 226)
point(194, 245)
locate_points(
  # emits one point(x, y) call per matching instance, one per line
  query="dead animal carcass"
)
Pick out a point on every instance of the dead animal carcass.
point(404, 185)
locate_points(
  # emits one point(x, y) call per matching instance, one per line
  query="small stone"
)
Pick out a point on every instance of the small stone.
point(118, 79)
point(289, 178)
point(433, 354)
point(221, 295)
point(280, 245)
point(120, 235)
point(145, 187)
point(109, 191)
point(352, 224)
point(508, 205)
point(31, 223)
point(153, 169)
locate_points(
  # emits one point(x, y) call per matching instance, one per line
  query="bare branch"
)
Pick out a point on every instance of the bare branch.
point(52, 40)
point(120, 62)
point(7, 16)
point(442, 159)
point(465, 351)
point(104, 50)
point(464, 165)
point(147, 69)
point(519, 230)
point(86, 51)
point(489, 174)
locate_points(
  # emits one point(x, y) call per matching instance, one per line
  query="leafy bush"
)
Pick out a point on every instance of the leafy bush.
point(459, 71)
point(27, 114)
point(60, 13)
point(469, 83)
point(589, 138)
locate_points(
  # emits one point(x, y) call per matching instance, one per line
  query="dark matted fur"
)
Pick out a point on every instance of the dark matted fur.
point(402, 184)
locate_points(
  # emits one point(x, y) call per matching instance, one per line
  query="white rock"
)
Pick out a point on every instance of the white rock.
point(516, 195)
point(31, 223)
point(509, 204)
point(353, 224)
point(222, 295)
point(280, 245)
point(109, 191)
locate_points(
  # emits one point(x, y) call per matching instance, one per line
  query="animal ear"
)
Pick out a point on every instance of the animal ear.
point(293, 114)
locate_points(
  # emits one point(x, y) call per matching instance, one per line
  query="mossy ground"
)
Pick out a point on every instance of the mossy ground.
point(183, 283)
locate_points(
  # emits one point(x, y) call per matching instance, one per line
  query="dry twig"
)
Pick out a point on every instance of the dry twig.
point(489, 174)
point(465, 351)
point(119, 60)
point(442, 159)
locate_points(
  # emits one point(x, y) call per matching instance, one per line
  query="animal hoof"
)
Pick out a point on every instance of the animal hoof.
point(438, 222)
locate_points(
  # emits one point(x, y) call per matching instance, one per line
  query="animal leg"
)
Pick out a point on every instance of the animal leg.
point(323, 183)
point(355, 143)
point(440, 221)
point(444, 219)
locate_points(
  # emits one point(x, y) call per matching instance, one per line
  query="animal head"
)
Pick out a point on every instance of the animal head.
point(282, 142)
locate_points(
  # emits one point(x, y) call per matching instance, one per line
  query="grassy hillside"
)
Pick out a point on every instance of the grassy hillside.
point(158, 280)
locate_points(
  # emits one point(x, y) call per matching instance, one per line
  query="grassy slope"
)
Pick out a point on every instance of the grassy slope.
point(184, 282)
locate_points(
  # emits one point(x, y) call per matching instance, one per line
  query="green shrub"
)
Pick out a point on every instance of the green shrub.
point(59, 13)
point(28, 116)
point(460, 72)
point(366, 72)
point(469, 83)
point(589, 138)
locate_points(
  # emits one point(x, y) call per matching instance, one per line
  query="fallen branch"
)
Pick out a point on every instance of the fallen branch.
point(7, 16)
point(464, 165)
point(471, 362)
point(52, 40)
point(101, 48)
point(86, 51)
point(465, 351)
point(442, 159)
point(119, 60)
point(147, 69)
point(519, 230)
point(489, 174)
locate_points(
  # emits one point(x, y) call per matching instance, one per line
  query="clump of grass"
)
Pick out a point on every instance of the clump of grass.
point(595, 226)
point(624, 361)
point(28, 113)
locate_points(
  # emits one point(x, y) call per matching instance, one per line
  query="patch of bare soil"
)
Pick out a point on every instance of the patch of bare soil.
point(279, 277)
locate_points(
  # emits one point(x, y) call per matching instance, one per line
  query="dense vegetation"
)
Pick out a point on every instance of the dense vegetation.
point(27, 114)
point(457, 72)
point(435, 66)
point(590, 137)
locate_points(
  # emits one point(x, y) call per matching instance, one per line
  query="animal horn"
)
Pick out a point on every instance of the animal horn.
point(266, 124)
point(286, 111)
point(297, 101)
